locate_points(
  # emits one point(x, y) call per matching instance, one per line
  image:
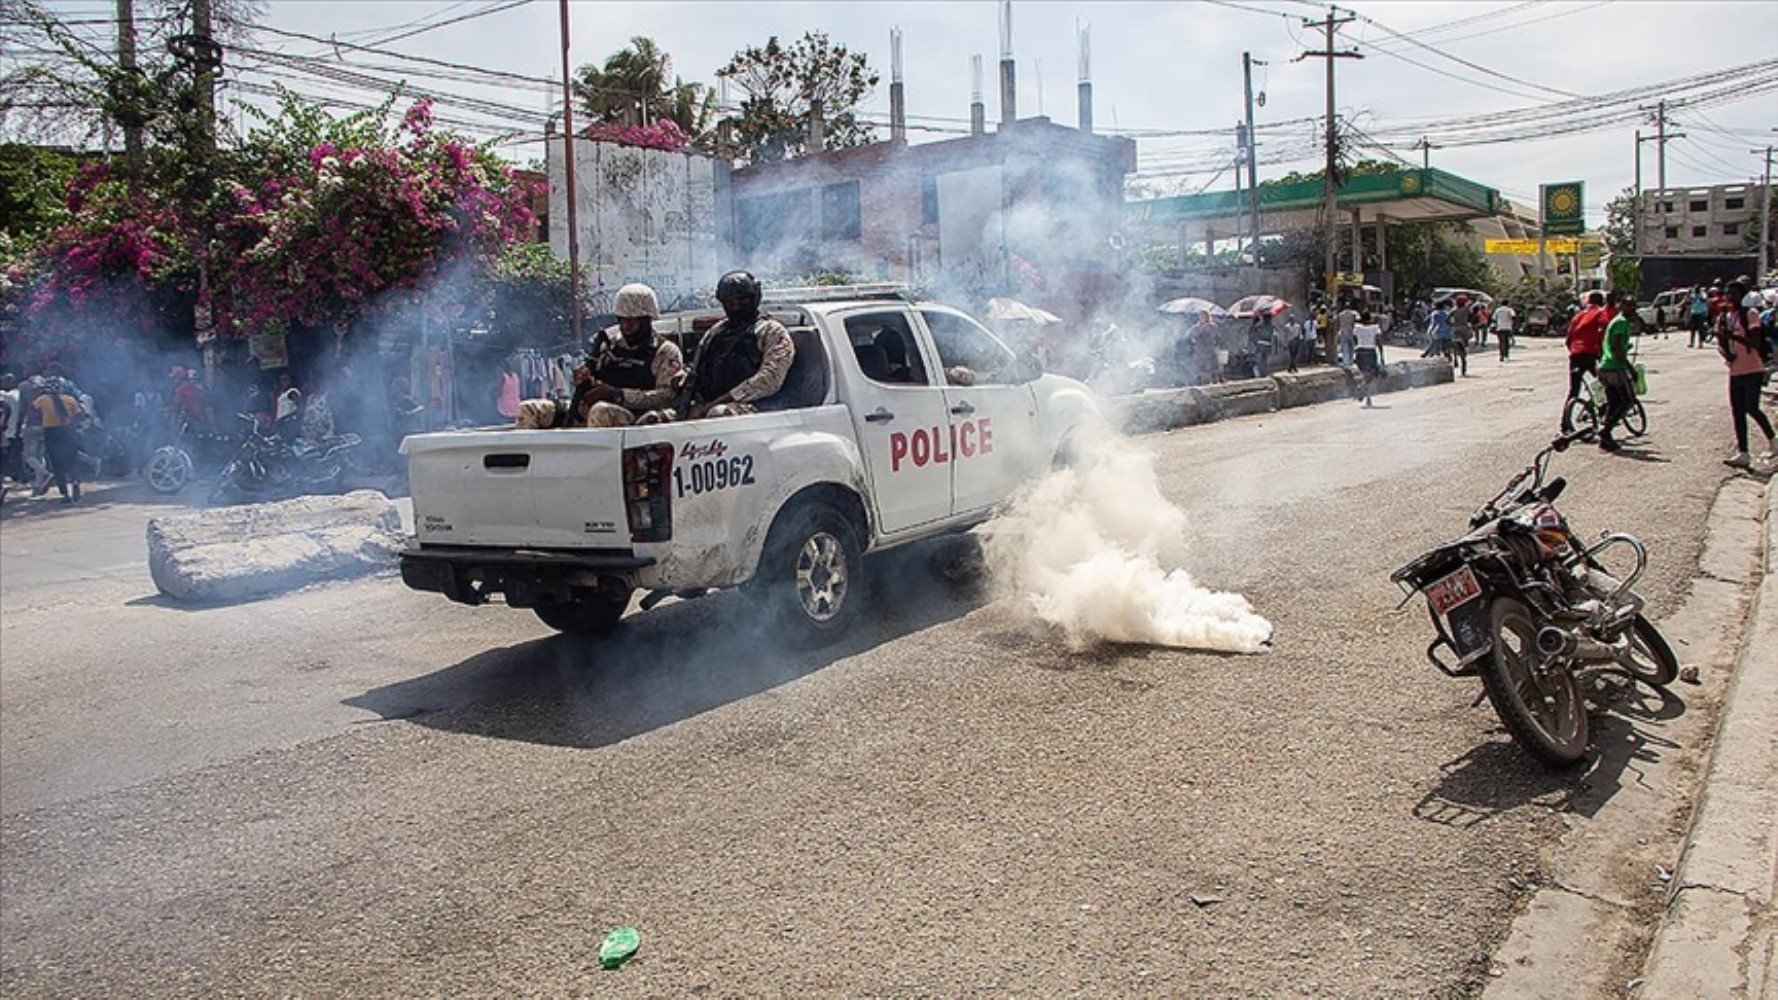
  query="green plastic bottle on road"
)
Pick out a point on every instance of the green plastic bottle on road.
point(619, 946)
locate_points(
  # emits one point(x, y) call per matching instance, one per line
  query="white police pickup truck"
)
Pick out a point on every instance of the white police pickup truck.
point(866, 447)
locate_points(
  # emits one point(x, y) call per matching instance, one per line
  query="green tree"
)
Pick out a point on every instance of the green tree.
point(1428, 255)
point(33, 188)
point(632, 88)
point(785, 86)
point(1620, 224)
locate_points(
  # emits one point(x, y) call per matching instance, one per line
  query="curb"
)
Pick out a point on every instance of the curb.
point(1718, 936)
point(1585, 930)
point(1166, 409)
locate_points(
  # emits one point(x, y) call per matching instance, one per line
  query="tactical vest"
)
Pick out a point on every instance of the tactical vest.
point(728, 356)
point(628, 368)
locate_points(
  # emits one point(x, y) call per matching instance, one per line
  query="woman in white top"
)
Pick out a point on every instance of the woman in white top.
point(1367, 338)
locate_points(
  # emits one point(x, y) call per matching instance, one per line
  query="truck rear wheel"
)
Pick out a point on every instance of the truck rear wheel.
point(591, 615)
point(811, 575)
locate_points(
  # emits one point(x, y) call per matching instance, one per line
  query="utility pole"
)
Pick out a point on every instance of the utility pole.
point(1636, 206)
point(1765, 219)
point(572, 218)
point(1252, 154)
point(1425, 148)
point(126, 66)
point(206, 76)
point(1330, 186)
point(1661, 138)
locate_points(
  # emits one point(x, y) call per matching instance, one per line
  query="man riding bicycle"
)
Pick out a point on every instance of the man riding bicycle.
point(1586, 338)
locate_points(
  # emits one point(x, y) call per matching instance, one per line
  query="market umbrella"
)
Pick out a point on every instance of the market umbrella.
point(1012, 310)
point(1190, 306)
point(1258, 305)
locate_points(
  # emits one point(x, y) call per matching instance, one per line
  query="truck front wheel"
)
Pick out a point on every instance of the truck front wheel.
point(810, 575)
point(592, 614)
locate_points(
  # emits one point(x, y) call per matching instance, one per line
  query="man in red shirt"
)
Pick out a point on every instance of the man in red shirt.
point(1586, 337)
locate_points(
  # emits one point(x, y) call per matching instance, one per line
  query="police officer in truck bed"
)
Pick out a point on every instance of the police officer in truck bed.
point(743, 360)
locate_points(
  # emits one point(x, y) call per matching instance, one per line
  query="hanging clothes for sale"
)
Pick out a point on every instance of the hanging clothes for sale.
point(507, 403)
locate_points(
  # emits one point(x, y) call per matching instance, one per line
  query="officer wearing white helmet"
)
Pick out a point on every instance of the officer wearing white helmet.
point(637, 371)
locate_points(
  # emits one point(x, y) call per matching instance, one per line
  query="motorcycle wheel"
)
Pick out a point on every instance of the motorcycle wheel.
point(1649, 660)
point(1546, 716)
point(1636, 420)
point(168, 470)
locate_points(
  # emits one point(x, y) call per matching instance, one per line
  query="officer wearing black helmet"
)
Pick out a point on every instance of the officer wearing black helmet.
point(742, 362)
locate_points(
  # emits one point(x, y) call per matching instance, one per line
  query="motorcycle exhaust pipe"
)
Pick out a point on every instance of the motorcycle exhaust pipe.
point(1553, 641)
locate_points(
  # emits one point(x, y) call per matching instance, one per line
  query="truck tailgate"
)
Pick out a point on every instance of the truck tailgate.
point(531, 489)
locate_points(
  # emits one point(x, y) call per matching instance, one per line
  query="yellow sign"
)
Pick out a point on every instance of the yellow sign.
point(1555, 245)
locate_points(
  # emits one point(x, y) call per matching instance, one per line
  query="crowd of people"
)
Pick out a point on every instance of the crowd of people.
point(1742, 323)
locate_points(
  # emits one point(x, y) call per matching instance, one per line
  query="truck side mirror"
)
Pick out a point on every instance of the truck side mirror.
point(1025, 368)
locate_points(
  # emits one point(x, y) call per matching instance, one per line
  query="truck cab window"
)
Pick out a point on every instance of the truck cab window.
point(963, 343)
point(886, 349)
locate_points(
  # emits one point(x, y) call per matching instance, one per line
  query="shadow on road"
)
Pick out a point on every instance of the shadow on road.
point(1497, 777)
point(674, 662)
point(21, 505)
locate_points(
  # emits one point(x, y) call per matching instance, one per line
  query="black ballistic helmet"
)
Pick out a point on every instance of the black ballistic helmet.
point(735, 284)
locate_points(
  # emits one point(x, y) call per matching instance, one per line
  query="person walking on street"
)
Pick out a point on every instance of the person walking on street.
point(1346, 320)
point(1438, 333)
point(1586, 338)
point(1503, 328)
point(1461, 323)
point(59, 413)
point(1738, 341)
point(1697, 317)
point(11, 418)
point(1287, 340)
point(1367, 353)
point(1614, 370)
point(1478, 320)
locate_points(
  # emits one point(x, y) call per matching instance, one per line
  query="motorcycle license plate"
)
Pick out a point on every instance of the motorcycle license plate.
point(1453, 591)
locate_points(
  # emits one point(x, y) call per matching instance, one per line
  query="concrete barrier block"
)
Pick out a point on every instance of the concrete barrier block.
point(254, 550)
point(1240, 399)
point(1319, 385)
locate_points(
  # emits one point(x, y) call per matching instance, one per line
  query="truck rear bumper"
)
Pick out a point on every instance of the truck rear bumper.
point(470, 575)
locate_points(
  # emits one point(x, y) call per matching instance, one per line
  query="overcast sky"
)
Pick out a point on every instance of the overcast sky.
point(1176, 66)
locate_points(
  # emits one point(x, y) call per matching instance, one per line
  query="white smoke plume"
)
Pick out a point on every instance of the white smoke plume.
point(1097, 552)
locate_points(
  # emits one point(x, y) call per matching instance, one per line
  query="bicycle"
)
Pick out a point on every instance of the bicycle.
point(1586, 411)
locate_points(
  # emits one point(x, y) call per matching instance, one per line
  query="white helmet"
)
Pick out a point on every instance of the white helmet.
point(636, 300)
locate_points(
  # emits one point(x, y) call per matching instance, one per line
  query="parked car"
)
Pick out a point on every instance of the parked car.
point(1667, 309)
point(873, 442)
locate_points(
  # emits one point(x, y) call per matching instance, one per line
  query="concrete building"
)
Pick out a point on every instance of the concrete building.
point(1714, 221)
point(1513, 222)
point(1032, 209)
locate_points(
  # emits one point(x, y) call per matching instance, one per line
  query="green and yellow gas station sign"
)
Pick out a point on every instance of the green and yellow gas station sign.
point(1564, 209)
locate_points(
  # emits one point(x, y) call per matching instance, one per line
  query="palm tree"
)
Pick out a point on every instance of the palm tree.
point(631, 87)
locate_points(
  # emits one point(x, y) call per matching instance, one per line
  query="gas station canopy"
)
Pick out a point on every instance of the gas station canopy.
point(1406, 195)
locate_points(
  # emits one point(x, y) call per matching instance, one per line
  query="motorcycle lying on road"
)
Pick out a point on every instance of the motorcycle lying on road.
point(266, 465)
point(1524, 603)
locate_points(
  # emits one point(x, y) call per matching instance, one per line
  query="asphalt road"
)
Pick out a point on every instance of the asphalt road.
point(360, 790)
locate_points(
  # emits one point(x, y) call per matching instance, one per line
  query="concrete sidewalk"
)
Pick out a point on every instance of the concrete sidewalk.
point(1719, 935)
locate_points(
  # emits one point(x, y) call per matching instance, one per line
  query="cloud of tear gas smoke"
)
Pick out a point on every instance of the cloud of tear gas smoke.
point(1097, 552)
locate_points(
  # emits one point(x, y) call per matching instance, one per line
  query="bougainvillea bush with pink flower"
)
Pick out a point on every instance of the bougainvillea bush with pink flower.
point(313, 220)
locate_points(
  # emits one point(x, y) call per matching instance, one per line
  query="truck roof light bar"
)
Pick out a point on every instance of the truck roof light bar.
point(835, 293)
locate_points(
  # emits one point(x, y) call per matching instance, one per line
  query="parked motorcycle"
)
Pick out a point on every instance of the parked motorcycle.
point(265, 465)
point(1524, 603)
point(195, 451)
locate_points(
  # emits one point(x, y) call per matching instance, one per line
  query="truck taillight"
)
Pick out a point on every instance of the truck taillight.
point(648, 475)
